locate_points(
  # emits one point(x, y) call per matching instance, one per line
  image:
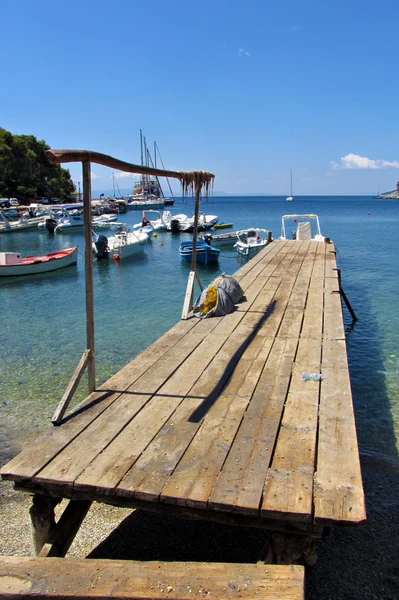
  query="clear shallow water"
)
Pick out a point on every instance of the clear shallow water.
point(42, 318)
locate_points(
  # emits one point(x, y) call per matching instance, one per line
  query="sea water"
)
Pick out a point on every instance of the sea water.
point(43, 328)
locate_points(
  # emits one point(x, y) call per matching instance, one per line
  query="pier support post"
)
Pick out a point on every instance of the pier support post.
point(42, 519)
point(188, 299)
point(91, 369)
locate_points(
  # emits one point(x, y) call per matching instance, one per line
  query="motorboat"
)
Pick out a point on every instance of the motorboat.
point(22, 224)
point(155, 218)
point(303, 229)
point(223, 240)
point(175, 223)
point(140, 202)
point(251, 241)
point(122, 244)
point(70, 221)
point(151, 220)
point(73, 220)
point(205, 253)
point(12, 263)
point(204, 222)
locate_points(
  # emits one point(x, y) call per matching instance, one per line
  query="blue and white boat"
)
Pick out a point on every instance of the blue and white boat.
point(250, 241)
point(205, 252)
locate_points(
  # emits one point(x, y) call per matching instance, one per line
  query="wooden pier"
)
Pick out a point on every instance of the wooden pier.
point(213, 421)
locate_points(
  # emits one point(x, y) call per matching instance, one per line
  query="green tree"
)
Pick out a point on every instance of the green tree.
point(25, 172)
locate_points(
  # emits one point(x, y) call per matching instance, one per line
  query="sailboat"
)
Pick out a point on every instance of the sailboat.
point(290, 198)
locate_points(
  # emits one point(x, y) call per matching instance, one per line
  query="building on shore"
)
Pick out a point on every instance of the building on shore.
point(393, 194)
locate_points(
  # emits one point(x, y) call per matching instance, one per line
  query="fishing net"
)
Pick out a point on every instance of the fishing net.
point(219, 298)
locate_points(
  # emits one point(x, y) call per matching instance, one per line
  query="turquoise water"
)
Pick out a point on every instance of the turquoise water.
point(42, 318)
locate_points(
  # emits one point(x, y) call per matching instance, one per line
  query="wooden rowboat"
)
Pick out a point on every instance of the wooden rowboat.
point(12, 263)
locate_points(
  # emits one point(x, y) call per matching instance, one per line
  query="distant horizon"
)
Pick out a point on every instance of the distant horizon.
point(124, 192)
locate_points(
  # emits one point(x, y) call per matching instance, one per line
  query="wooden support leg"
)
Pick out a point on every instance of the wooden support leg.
point(293, 549)
point(65, 530)
point(43, 519)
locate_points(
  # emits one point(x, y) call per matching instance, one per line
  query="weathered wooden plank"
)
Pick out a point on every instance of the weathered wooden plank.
point(151, 471)
point(70, 462)
point(108, 467)
point(289, 482)
point(333, 323)
point(192, 481)
point(80, 579)
point(338, 489)
point(331, 262)
point(240, 483)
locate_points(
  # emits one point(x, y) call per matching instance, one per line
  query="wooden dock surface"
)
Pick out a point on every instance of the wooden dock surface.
point(213, 420)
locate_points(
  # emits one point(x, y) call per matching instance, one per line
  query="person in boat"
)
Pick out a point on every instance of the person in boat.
point(145, 221)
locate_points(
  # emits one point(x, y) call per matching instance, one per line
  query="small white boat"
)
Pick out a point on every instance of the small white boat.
point(204, 222)
point(72, 220)
point(250, 242)
point(174, 223)
point(123, 244)
point(303, 229)
point(22, 224)
point(12, 263)
point(223, 240)
point(156, 219)
point(140, 202)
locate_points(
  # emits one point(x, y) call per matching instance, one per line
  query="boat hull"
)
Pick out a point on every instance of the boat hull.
point(205, 254)
point(126, 246)
point(33, 265)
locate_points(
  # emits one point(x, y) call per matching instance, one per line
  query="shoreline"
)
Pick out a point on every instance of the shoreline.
point(360, 564)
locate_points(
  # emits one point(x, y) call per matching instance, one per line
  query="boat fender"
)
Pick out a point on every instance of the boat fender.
point(258, 237)
point(155, 235)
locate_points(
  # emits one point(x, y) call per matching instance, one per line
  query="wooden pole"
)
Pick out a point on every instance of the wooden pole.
point(195, 231)
point(89, 274)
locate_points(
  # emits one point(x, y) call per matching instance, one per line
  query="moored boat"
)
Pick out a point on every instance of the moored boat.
point(123, 244)
point(204, 222)
point(223, 225)
point(290, 198)
point(12, 263)
point(303, 229)
point(222, 240)
point(205, 253)
point(251, 242)
point(22, 224)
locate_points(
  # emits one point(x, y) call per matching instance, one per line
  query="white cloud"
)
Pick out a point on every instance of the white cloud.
point(354, 161)
point(242, 52)
point(295, 27)
point(121, 175)
point(94, 175)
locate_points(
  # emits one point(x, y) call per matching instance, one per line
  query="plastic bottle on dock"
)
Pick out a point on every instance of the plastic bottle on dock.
point(312, 377)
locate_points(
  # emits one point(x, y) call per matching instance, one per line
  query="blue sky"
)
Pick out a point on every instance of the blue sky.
point(244, 89)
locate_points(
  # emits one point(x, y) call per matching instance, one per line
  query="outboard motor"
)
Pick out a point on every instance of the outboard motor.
point(207, 238)
point(51, 224)
point(175, 226)
point(102, 249)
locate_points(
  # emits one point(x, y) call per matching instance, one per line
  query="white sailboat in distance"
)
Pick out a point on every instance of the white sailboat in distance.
point(290, 198)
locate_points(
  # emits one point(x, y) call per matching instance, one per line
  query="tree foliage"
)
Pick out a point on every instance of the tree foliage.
point(26, 173)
